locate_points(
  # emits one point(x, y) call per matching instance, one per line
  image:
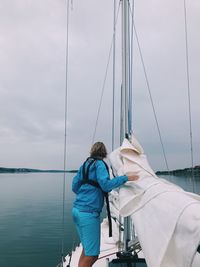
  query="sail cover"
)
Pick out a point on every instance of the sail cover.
point(166, 218)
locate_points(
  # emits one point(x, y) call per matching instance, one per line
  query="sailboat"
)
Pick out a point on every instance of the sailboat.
point(149, 216)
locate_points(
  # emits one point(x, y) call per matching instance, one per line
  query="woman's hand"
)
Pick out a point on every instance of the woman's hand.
point(132, 177)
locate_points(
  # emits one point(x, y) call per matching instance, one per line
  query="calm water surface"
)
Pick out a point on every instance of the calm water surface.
point(31, 218)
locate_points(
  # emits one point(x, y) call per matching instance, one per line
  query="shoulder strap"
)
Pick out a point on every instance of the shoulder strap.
point(85, 173)
point(107, 168)
point(106, 165)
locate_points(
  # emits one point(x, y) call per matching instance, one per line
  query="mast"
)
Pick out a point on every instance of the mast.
point(126, 96)
point(126, 106)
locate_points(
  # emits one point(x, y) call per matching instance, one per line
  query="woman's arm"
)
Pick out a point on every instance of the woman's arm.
point(108, 184)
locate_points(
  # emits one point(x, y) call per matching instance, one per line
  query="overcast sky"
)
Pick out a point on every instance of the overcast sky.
point(33, 73)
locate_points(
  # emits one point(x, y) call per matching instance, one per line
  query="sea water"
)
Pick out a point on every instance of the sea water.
point(31, 217)
point(31, 208)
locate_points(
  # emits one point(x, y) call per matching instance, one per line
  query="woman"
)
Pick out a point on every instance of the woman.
point(90, 184)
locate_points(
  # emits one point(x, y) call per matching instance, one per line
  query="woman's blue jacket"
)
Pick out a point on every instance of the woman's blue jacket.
point(88, 197)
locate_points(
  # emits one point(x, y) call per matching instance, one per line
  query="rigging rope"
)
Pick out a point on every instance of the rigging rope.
point(131, 62)
point(114, 54)
point(149, 90)
point(72, 4)
point(104, 81)
point(189, 94)
point(65, 137)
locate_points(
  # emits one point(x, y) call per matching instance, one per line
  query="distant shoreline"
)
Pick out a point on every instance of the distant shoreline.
point(177, 172)
point(184, 172)
point(27, 170)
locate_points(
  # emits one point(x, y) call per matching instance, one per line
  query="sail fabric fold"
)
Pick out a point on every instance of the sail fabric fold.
point(166, 218)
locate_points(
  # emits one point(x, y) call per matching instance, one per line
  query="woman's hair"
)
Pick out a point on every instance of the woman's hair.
point(98, 150)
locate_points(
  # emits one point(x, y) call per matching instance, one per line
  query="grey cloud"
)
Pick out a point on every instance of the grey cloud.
point(32, 80)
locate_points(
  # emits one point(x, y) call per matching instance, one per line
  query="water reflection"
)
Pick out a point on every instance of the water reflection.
point(31, 217)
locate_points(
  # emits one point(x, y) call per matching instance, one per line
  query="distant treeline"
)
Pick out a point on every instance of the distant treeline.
point(185, 172)
point(26, 170)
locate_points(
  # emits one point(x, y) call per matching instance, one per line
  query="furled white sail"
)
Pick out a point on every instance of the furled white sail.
point(166, 218)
